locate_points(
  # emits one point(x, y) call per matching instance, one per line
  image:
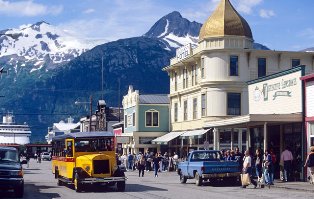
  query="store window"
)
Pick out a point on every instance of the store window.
point(261, 67)
point(234, 65)
point(234, 104)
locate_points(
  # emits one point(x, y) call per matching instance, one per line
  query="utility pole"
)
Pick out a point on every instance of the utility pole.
point(119, 101)
point(91, 113)
point(102, 77)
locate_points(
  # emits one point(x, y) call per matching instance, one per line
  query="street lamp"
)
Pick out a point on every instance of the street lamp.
point(91, 110)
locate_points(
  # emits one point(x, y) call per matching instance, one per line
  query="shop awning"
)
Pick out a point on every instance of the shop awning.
point(254, 120)
point(167, 137)
point(193, 133)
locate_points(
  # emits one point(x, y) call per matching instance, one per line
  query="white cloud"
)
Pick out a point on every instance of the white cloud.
point(117, 19)
point(27, 8)
point(88, 11)
point(246, 6)
point(266, 13)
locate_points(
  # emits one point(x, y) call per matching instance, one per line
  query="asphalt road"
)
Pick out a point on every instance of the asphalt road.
point(40, 184)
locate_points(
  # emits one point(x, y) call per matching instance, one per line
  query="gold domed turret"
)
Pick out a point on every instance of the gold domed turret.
point(225, 21)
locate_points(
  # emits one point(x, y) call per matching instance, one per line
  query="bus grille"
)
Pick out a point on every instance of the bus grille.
point(101, 166)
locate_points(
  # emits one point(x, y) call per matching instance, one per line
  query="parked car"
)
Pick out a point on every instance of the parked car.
point(205, 165)
point(11, 171)
point(45, 156)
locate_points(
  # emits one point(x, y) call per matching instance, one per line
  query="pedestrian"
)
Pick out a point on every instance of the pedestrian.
point(247, 167)
point(175, 161)
point(268, 168)
point(27, 159)
point(309, 163)
point(130, 161)
point(286, 158)
point(258, 163)
point(156, 161)
point(239, 157)
point(141, 166)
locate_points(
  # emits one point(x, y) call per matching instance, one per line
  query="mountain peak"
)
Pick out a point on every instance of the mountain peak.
point(175, 30)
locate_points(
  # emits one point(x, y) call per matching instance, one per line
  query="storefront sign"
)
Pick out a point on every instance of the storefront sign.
point(279, 95)
point(183, 52)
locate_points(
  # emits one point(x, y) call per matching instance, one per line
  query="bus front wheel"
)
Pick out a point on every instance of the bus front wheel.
point(77, 184)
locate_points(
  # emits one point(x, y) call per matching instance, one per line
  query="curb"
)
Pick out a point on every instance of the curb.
point(293, 188)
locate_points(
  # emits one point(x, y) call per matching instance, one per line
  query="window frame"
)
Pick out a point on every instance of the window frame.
point(258, 67)
point(133, 118)
point(203, 109)
point(240, 105)
point(152, 111)
point(295, 59)
point(203, 68)
point(185, 110)
point(237, 66)
point(175, 109)
point(195, 108)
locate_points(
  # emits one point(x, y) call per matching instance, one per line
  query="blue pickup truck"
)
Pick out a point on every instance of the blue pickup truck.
point(204, 165)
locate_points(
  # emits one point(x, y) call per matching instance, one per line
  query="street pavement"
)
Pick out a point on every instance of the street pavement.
point(40, 184)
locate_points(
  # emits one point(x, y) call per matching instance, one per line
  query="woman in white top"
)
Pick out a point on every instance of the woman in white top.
point(247, 167)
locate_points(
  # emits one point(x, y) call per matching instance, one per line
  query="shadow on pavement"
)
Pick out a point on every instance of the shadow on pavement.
point(129, 188)
point(31, 191)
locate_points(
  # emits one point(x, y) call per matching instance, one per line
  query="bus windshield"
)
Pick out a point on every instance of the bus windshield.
point(94, 145)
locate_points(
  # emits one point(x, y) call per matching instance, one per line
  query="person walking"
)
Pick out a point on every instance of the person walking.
point(286, 158)
point(309, 163)
point(268, 168)
point(130, 161)
point(141, 166)
point(247, 167)
point(27, 159)
point(175, 161)
point(258, 163)
point(156, 161)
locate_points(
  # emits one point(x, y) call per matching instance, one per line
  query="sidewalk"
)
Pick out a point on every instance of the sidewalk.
point(300, 186)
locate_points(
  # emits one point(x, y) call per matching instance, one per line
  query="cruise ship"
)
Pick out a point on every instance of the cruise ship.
point(11, 133)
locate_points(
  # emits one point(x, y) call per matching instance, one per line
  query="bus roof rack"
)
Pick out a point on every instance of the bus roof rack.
point(83, 135)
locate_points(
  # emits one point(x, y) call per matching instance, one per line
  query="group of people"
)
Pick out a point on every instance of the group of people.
point(263, 163)
point(150, 161)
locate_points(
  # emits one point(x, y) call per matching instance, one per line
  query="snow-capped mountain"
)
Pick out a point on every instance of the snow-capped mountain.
point(40, 42)
point(175, 30)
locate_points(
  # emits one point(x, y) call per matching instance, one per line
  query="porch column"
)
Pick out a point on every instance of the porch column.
point(231, 144)
point(248, 138)
point(281, 139)
point(240, 140)
point(216, 143)
point(265, 136)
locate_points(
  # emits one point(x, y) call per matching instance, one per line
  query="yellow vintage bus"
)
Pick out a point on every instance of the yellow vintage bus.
point(86, 158)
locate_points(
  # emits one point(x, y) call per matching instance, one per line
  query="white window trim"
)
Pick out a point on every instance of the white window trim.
point(152, 111)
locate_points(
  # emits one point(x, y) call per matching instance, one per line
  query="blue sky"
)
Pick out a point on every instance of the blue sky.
point(278, 24)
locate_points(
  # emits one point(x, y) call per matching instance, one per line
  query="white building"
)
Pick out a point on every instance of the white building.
point(208, 83)
point(62, 128)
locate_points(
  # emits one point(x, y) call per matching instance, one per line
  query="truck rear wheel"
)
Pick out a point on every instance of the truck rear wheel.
point(182, 178)
point(198, 179)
